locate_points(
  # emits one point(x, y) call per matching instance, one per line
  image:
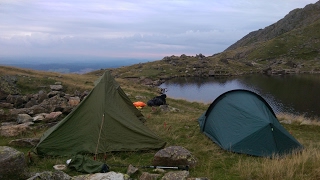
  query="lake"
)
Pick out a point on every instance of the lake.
point(295, 94)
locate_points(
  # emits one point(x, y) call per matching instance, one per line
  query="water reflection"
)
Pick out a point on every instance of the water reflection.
point(297, 94)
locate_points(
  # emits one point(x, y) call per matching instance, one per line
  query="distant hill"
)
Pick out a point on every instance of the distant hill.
point(294, 38)
point(291, 45)
point(297, 20)
point(69, 65)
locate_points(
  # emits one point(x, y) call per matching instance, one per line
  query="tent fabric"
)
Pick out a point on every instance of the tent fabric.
point(242, 121)
point(105, 121)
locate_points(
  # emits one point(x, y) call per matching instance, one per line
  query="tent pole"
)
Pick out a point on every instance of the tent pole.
point(99, 135)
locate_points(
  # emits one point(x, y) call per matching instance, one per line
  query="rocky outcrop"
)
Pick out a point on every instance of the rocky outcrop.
point(25, 108)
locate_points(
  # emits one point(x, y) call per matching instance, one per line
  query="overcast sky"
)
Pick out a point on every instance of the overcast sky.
point(148, 29)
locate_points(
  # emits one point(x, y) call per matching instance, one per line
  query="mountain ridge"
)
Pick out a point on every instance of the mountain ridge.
point(297, 18)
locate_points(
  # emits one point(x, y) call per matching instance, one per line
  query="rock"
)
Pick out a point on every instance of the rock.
point(140, 97)
point(167, 108)
point(174, 156)
point(211, 73)
point(55, 103)
point(53, 116)
point(42, 95)
point(74, 101)
point(175, 175)
point(31, 103)
point(18, 101)
point(8, 123)
point(25, 142)
point(56, 87)
point(39, 117)
point(131, 170)
point(101, 176)
point(149, 176)
point(15, 130)
point(158, 170)
point(6, 105)
point(48, 175)
point(23, 118)
point(12, 163)
point(55, 93)
point(60, 167)
point(286, 122)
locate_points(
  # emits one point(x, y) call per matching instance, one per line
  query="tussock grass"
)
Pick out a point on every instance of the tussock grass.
point(298, 119)
point(300, 165)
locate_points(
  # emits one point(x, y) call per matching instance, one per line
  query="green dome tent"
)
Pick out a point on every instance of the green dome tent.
point(242, 121)
point(105, 121)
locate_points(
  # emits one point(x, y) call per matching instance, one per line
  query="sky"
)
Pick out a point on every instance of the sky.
point(56, 30)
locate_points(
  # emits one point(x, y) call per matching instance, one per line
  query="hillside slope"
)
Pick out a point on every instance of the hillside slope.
point(291, 45)
point(296, 19)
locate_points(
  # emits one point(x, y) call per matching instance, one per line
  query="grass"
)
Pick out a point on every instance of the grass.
point(180, 128)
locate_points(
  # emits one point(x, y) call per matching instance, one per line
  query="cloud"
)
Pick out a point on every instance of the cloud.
point(126, 28)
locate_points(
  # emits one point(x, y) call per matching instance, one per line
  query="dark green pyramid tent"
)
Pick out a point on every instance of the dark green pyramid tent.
point(105, 121)
point(242, 121)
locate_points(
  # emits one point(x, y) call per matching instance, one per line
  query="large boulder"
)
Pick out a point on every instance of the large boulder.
point(12, 163)
point(174, 156)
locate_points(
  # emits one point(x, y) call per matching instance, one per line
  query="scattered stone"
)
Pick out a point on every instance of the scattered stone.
point(60, 167)
point(53, 116)
point(141, 97)
point(149, 176)
point(56, 87)
point(74, 101)
point(158, 170)
point(55, 93)
point(167, 108)
point(15, 130)
point(23, 118)
point(131, 170)
point(12, 163)
point(39, 117)
point(8, 123)
point(6, 105)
